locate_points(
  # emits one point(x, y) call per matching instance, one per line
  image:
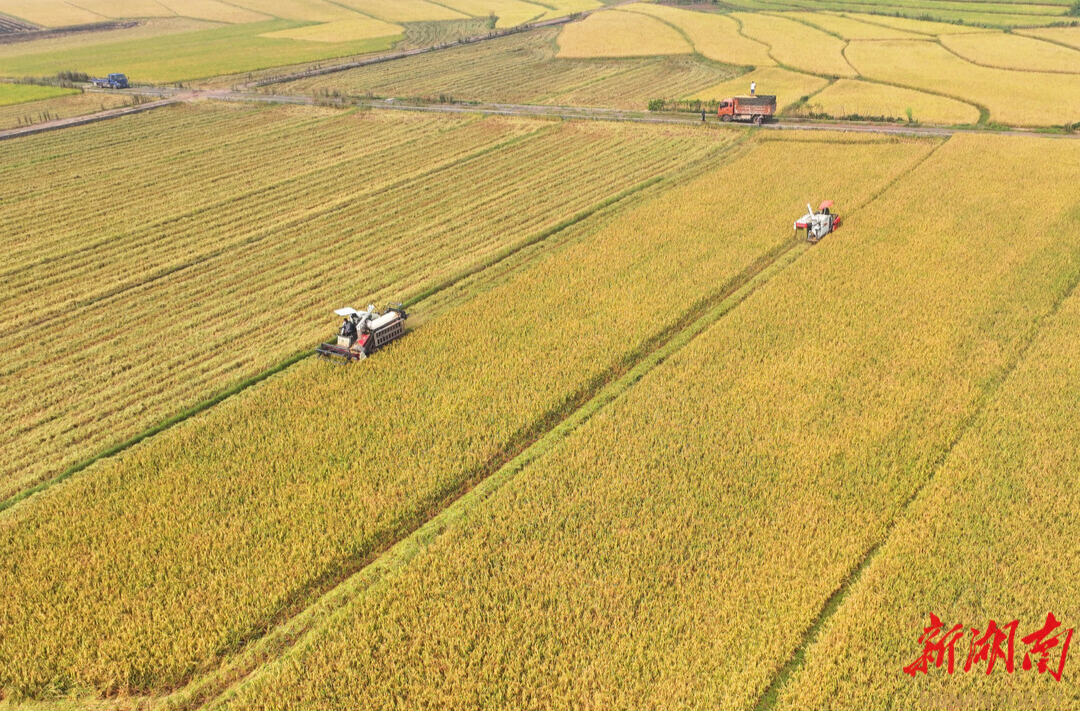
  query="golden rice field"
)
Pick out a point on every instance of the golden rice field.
point(713, 36)
point(1069, 36)
point(993, 536)
point(788, 86)
point(923, 27)
point(509, 12)
point(521, 68)
point(1011, 51)
point(796, 45)
point(620, 34)
point(349, 30)
point(847, 97)
point(1014, 97)
point(673, 550)
point(48, 13)
point(851, 29)
point(276, 493)
point(405, 10)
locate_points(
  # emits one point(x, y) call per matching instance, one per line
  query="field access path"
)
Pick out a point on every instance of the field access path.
point(168, 96)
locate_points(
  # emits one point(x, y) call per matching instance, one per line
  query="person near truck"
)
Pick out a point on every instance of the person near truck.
point(753, 87)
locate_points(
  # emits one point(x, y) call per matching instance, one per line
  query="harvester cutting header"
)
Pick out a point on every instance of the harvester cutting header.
point(364, 332)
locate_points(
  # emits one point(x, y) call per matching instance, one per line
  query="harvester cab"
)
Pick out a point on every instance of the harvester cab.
point(363, 332)
point(818, 224)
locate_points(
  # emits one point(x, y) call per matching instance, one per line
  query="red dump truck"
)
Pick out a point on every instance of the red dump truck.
point(747, 108)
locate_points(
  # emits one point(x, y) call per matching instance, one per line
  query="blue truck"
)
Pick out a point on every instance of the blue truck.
point(113, 81)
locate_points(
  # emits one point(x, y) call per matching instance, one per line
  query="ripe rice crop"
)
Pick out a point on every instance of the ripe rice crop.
point(1011, 51)
point(213, 10)
point(118, 9)
point(341, 31)
point(674, 549)
point(788, 86)
point(1013, 97)
point(510, 12)
point(521, 68)
point(254, 507)
point(925, 27)
point(105, 276)
point(303, 10)
point(404, 10)
point(849, 28)
point(846, 97)
point(714, 36)
point(48, 13)
point(562, 8)
point(993, 536)
point(618, 33)
point(1062, 35)
point(796, 45)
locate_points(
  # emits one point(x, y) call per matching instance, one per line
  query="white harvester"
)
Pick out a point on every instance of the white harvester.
point(364, 332)
point(818, 224)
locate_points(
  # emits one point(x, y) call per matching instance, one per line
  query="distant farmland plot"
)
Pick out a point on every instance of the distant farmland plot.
point(1014, 97)
point(847, 97)
point(713, 35)
point(620, 34)
point(190, 55)
point(521, 68)
point(1012, 51)
point(797, 45)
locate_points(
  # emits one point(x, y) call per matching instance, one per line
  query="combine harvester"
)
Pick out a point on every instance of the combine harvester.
point(818, 224)
point(758, 109)
point(364, 332)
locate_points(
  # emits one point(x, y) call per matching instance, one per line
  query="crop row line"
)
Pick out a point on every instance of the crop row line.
point(550, 430)
point(296, 357)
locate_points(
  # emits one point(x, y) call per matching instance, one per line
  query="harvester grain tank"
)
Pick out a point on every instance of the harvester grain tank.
point(364, 332)
point(747, 108)
point(818, 224)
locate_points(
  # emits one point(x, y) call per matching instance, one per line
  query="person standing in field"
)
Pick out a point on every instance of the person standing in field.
point(753, 87)
point(703, 115)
